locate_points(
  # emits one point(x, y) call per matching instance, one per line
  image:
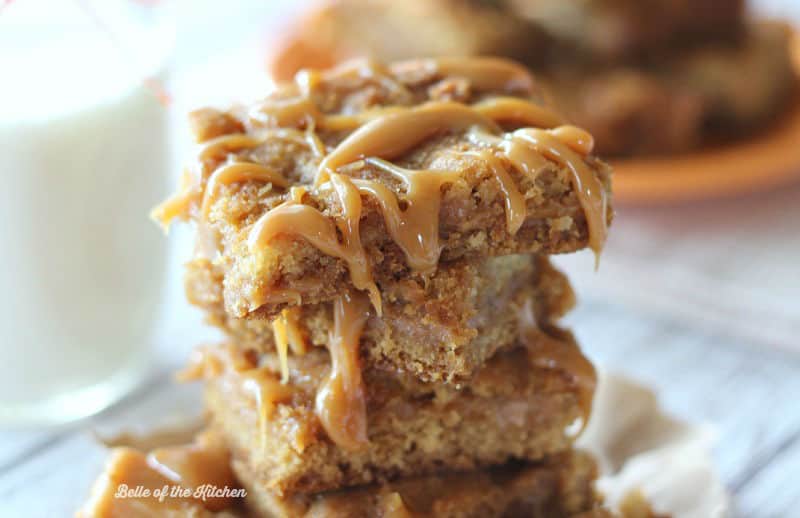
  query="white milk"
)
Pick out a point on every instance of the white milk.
point(83, 155)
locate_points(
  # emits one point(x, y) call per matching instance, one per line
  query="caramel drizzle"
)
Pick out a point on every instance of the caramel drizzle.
point(292, 112)
point(516, 211)
point(191, 188)
point(294, 218)
point(208, 362)
point(528, 149)
point(520, 111)
point(341, 404)
point(194, 465)
point(297, 340)
point(226, 144)
point(389, 132)
point(307, 80)
point(314, 142)
point(202, 462)
point(286, 329)
point(302, 110)
point(549, 352)
point(566, 145)
point(268, 392)
point(415, 229)
point(390, 136)
point(238, 141)
point(281, 334)
point(177, 205)
point(280, 296)
point(483, 73)
point(238, 172)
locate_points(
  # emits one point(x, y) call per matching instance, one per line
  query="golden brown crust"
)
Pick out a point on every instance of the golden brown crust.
point(441, 330)
point(519, 405)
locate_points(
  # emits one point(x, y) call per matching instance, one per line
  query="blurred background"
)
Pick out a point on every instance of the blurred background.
point(697, 294)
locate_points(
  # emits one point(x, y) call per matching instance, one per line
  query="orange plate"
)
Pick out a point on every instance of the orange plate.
point(760, 162)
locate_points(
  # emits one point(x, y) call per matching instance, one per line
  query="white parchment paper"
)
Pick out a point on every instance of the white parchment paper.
point(639, 448)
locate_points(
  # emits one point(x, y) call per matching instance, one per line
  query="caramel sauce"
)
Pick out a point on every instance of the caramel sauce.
point(177, 205)
point(279, 330)
point(129, 467)
point(341, 400)
point(340, 403)
point(209, 362)
point(267, 392)
point(483, 73)
point(238, 172)
point(415, 229)
point(565, 145)
point(301, 109)
point(550, 352)
point(297, 340)
point(390, 136)
point(520, 111)
point(391, 505)
point(523, 157)
point(294, 218)
point(226, 144)
point(307, 80)
point(355, 121)
point(292, 112)
point(262, 385)
point(383, 134)
point(194, 465)
point(314, 142)
point(286, 329)
point(280, 296)
point(204, 462)
point(516, 211)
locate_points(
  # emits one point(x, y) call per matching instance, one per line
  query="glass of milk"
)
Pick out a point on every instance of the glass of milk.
point(83, 155)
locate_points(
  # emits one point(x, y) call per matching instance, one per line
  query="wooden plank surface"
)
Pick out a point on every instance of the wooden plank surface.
point(747, 393)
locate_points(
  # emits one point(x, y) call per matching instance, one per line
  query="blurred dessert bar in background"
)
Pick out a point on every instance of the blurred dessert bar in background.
point(680, 100)
point(618, 30)
point(642, 77)
point(338, 31)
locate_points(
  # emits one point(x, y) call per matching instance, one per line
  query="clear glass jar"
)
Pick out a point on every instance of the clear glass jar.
point(83, 156)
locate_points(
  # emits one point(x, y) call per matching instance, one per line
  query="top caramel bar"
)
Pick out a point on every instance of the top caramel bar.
point(364, 172)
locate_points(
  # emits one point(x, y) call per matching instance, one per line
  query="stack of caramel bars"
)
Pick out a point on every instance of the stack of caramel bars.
point(374, 241)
